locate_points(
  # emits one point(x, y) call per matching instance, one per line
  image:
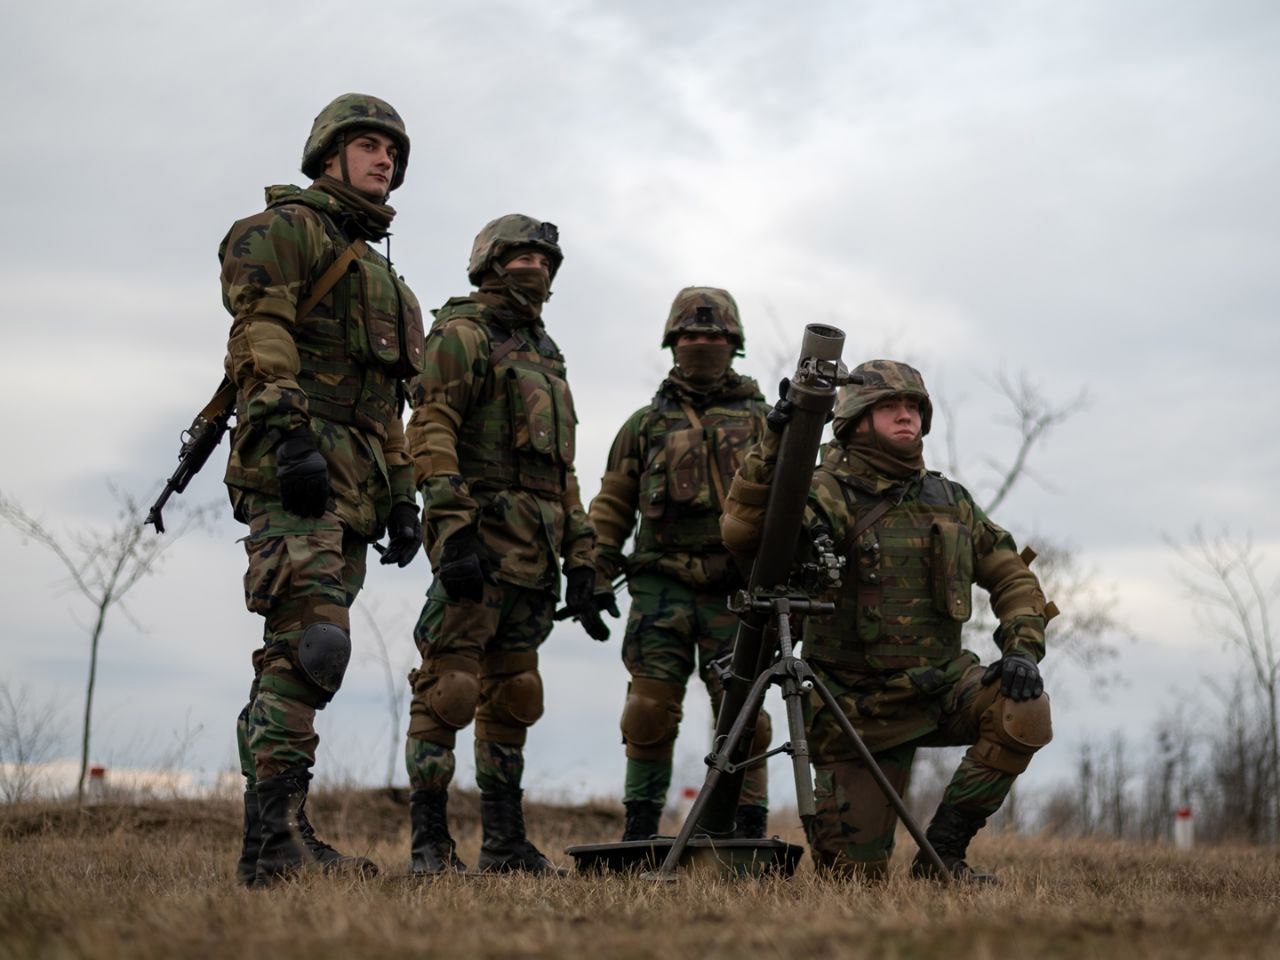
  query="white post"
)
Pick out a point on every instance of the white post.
point(1184, 829)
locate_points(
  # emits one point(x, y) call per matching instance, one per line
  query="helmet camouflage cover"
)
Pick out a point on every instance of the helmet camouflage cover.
point(350, 112)
point(881, 379)
point(704, 310)
point(503, 235)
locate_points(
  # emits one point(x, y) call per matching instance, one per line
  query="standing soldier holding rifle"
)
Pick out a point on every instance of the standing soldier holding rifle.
point(323, 334)
point(914, 544)
point(672, 462)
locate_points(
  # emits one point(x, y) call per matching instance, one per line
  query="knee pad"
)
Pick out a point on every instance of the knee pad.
point(511, 698)
point(1011, 731)
point(323, 654)
point(651, 718)
point(453, 692)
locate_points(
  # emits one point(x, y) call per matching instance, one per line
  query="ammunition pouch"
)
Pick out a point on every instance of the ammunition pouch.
point(524, 434)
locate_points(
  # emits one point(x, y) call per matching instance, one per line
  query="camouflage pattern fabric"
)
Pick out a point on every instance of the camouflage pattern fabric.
point(301, 571)
point(854, 827)
point(500, 237)
point(336, 372)
point(672, 630)
point(346, 115)
point(331, 371)
point(661, 467)
point(492, 438)
point(891, 653)
point(508, 620)
point(705, 310)
point(881, 379)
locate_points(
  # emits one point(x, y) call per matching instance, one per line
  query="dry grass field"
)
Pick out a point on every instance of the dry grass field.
point(155, 880)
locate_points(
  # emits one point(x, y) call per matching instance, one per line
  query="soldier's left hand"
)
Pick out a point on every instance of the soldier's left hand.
point(580, 602)
point(1019, 677)
point(404, 535)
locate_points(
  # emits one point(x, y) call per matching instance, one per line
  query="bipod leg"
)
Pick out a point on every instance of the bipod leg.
point(796, 680)
point(718, 761)
point(882, 781)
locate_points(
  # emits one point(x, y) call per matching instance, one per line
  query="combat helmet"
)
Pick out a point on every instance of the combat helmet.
point(704, 310)
point(505, 234)
point(881, 379)
point(350, 112)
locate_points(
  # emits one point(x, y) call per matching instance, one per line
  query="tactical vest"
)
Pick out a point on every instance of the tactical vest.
point(522, 433)
point(359, 342)
point(686, 470)
point(907, 588)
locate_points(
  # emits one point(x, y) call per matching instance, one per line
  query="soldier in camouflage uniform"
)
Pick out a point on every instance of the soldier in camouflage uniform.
point(915, 543)
point(492, 440)
point(672, 462)
point(323, 336)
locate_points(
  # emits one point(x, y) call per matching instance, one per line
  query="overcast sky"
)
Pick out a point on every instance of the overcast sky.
point(1084, 192)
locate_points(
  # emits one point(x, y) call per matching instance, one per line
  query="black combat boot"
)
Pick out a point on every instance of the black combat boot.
point(950, 833)
point(752, 822)
point(431, 848)
point(642, 819)
point(289, 842)
point(505, 848)
point(248, 863)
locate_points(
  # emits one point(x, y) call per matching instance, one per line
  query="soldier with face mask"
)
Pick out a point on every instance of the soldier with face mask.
point(915, 543)
point(492, 439)
point(671, 463)
point(324, 334)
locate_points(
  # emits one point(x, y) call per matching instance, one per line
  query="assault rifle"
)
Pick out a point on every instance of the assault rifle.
point(198, 441)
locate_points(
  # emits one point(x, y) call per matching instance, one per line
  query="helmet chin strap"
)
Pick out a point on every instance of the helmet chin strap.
point(342, 158)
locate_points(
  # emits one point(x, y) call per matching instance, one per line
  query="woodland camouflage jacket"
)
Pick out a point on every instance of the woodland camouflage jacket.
point(907, 584)
point(492, 441)
point(337, 370)
point(674, 473)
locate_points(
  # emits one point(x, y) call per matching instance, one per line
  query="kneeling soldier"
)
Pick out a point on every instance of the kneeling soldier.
point(915, 543)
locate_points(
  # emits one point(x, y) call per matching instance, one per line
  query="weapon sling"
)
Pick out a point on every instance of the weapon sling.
point(210, 423)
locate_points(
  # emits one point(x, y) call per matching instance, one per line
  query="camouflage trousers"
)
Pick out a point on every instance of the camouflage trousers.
point(301, 571)
point(853, 831)
point(672, 630)
point(479, 661)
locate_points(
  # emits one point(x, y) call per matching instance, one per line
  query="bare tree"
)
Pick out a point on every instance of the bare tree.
point(29, 733)
point(102, 566)
point(1232, 600)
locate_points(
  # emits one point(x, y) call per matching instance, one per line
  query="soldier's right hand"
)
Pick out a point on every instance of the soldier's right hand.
point(303, 474)
point(464, 567)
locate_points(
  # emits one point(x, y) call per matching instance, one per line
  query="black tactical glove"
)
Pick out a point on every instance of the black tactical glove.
point(464, 567)
point(778, 418)
point(303, 474)
point(404, 535)
point(1019, 676)
point(780, 415)
point(582, 603)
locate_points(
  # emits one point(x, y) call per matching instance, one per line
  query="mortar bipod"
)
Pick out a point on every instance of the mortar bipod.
point(797, 679)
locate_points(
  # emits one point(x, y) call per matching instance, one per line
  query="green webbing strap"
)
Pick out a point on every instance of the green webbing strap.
point(716, 480)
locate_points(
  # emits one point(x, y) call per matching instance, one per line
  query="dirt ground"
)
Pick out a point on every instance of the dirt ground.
point(155, 879)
